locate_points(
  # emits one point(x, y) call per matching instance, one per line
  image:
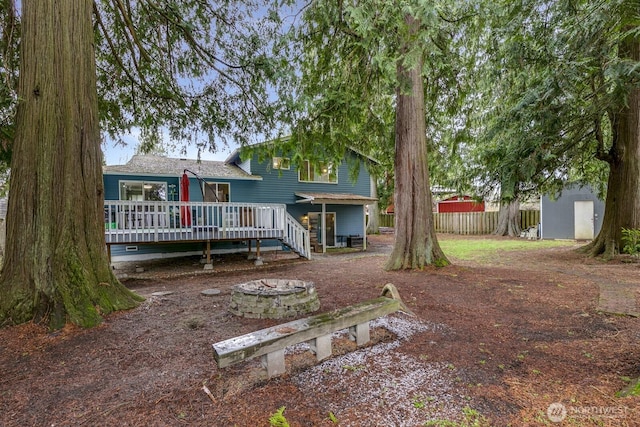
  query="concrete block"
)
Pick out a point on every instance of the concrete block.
point(360, 333)
point(274, 363)
point(321, 346)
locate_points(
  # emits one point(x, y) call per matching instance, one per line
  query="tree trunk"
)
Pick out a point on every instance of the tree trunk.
point(622, 205)
point(56, 267)
point(508, 219)
point(416, 244)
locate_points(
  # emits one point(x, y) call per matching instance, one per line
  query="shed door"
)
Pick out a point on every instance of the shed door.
point(583, 211)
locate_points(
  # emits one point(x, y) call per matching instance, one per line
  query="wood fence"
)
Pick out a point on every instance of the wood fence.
point(470, 222)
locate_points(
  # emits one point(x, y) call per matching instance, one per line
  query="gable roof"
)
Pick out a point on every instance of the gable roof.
point(147, 164)
point(234, 157)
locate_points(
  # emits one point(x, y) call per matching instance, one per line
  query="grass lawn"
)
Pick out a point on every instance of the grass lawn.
point(484, 250)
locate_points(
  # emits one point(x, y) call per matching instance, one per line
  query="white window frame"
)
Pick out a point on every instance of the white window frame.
point(318, 179)
point(281, 163)
point(216, 184)
point(128, 182)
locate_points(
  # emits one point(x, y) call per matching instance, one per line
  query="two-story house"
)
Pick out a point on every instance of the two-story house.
point(162, 207)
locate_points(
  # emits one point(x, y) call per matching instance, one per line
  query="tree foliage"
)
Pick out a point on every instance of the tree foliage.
point(550, 82)
point(350, 57)
point(9, 37)
point(554, 86)
point(201, 71)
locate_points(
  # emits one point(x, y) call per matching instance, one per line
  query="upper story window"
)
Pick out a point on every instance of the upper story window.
point(143, 191)
point(281, 163)
point(216, 192)
point(323, 172)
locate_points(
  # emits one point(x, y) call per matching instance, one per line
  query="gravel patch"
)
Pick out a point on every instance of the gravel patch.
point(412, 391)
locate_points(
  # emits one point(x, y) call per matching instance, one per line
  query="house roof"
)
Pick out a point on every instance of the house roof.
point(166, 166)
point(235, 155)
point(334, 198)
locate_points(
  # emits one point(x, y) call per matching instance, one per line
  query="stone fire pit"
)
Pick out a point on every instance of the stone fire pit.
point(273, 298)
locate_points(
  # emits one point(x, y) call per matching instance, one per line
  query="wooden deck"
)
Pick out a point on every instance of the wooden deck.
point(129, 222)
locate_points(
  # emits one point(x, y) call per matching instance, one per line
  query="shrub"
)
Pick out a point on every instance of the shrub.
point(631, 241)
point(277, 419)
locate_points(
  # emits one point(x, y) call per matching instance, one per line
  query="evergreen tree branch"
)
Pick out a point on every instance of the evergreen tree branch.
point(141, 83)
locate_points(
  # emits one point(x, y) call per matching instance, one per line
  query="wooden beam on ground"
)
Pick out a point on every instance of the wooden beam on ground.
point(316, 329)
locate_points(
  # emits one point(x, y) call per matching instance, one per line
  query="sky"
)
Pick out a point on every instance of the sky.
point(119, 155)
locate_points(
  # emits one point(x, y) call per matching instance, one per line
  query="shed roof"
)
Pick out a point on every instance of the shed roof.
point(146, 164)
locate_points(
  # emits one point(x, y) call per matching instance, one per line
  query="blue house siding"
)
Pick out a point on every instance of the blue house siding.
point(275, 187)
point(557, 216)
point(280, 186)
point(140, 252)
point(135, 252)
point(240, 192)
point(349, 219)
point(264, 185)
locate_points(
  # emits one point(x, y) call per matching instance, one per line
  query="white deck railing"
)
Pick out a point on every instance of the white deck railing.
point(296, 236)
point(149, 222)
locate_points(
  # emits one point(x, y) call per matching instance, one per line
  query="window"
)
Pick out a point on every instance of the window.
point(143, 215)
point(217, 192)
point(323, 172)
point(281, 163)
point(143, 191)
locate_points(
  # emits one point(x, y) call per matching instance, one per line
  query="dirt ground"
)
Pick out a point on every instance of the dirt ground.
point(516, 341)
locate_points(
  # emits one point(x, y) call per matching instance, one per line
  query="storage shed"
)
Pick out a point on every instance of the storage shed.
point(460, 204)
point(576, 213)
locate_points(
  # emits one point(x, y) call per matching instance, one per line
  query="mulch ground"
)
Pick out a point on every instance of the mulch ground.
point(520, 340)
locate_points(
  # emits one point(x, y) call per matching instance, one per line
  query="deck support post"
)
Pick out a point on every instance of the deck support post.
point(208, 265)
point(250, 255)
point(258, 260)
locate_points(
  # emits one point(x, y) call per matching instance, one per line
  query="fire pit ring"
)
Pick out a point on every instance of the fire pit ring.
point(274, 298)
